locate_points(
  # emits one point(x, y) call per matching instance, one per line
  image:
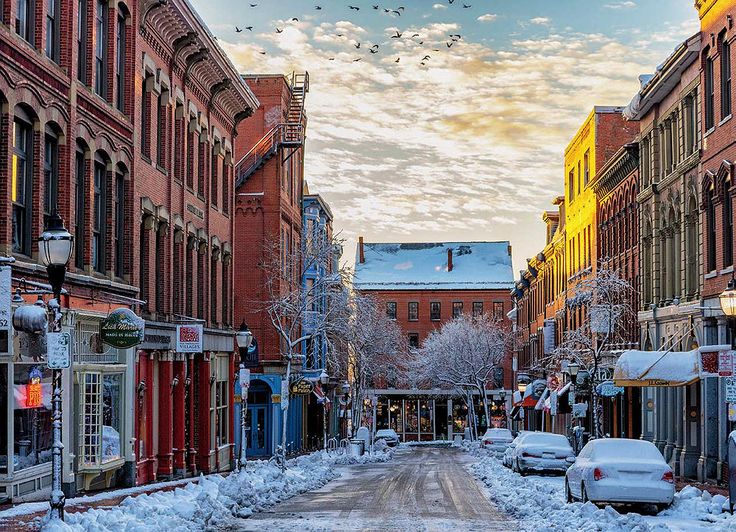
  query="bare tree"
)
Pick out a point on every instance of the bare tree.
point(464, 354)
point(607, 299)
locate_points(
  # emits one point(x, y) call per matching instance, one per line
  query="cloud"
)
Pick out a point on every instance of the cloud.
point(488, 17)
point(439, 6)
point(627, 4)
point(541, 21)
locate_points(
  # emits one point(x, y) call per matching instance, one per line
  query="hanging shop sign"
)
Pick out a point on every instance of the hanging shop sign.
point(608, 389)
point(189, 338)
point(5, 309)
point(301, 387)
point(59, 345)
point(725, 363)
point(122, 329)
point(730, 383)
point(579, 410)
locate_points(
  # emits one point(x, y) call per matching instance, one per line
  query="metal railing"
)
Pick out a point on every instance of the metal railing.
point(281, 134)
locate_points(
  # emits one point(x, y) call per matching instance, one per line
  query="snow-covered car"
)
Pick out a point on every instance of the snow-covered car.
point(389, 436)
point(497, 439)
point(508, 453)
point(620, 470)
point(542, 452)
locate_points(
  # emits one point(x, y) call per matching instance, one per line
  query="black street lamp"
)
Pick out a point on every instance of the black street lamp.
point(243, 338)
point(54, 251)
point(728, 306)
point(324, 380)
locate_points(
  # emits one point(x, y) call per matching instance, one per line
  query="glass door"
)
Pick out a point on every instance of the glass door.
point(258, 433)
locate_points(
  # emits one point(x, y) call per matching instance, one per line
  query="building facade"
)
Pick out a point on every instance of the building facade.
point(269, 184)
point(424, 285)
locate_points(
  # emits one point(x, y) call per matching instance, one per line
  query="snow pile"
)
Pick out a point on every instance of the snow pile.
point(347, 459)
point(433, 443)
point(540, 504)
point(694, 503)
point(211, 503)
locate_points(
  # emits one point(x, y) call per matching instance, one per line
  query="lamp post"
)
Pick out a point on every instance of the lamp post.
point(573, 368)
point(728, 306)
point(324, 380)
point(346, 397)
point(502, 397)
point(54, 252)
point(243, 338)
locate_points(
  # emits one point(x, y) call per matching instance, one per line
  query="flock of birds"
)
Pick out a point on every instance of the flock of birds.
point(375, 48)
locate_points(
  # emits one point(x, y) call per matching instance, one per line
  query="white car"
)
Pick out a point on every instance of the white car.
point(389, 436)
point(542, 452)
point(619, 470)
point(497, 439)
point(508, 453)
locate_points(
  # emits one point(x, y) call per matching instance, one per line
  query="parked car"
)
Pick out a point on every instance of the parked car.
point(389, 436)
point(497, 439)
point(620, 470)
point(542, 452)
point(507, 454)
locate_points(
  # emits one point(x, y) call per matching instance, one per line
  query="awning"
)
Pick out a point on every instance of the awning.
point(516, 413)
point(533, 392)
point(541, 403)
point(657, 368)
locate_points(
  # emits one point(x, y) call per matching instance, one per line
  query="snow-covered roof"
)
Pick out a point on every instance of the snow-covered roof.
point(657, 368)
point(423, 266)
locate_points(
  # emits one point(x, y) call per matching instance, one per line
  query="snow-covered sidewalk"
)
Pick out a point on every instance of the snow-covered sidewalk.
point(211, 502)
point(538, 503)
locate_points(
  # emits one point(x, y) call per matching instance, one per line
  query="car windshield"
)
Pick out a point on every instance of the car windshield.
point(385, 432)
point(557, 440)
point(623, 449)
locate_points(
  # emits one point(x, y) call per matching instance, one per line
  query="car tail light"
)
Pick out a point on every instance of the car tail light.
point(598, 474)
point(668, 477)
point(529, 455)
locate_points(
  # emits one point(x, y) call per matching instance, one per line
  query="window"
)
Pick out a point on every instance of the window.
point(22, 186)
point(119, 224)
point(709, 92)
point(579, 176)
point(201, 164)
point(50, 175)
point(725, 76)
point(645, 163)
point(214, 173)
point(31, 415)
point(413, 340)
point(727, 225)
point(571, 184)
point(691, 125)
point(24, 19)
point(226, 184)
point(213, 288)
point(101, 49)
point(477, 309)
point(226, 295)
point(120, 51)
point(434, 310)
point(162, 118)
point(457, 309)
point(498, 313)
point(146, 116)
point(586, 166)
point(190, 157)
point(221, 416)
point(81, 41)
point(98, 217)
point(52, 30)
point(101, 404)
point(391, 310)
point(710, 214)
point(79, 206)
point(413, 311)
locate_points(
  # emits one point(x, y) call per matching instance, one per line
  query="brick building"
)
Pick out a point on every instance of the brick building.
point(423, 285)
point(269, 182)
point(189, 101)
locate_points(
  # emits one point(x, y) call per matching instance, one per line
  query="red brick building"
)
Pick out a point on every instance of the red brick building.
point(423, 285)
point(269, 187)
point(189, 101)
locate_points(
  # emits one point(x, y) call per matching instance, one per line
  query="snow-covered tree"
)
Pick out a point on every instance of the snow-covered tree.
point(464, 354)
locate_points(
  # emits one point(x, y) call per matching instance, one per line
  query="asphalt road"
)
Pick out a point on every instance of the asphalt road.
point(420, 489)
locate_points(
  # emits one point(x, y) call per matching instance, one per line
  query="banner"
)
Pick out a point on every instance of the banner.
point(189, 338)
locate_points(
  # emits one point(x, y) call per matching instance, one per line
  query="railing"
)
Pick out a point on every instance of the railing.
point(281, 134)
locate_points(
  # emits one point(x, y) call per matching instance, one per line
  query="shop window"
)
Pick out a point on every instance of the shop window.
point(457, 309)
point(435, 311)
point(477, 309)
point(101, 408)
point(413, 311)
point(395, 413)
point(391, 310)
point(31, 415)
point(411, 418)
point(220, 409)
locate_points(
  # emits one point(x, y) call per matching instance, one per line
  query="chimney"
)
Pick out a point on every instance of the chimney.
point(449, 259)
point(361, 250)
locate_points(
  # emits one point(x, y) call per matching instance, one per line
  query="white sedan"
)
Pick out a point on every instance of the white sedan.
point(623, 471)
point(497, 439)
point(542, 452)
point(508, 453)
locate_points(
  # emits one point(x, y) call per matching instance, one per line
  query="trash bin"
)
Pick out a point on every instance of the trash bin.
point(357, 447)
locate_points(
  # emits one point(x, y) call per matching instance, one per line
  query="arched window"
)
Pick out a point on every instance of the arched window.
point(691, 248)
point(22, 182)
point(119, 234)
point(99, 213)
point(710, 214)
point(727, 224)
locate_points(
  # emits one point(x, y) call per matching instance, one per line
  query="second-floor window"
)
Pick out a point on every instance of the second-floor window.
point(413, 311)
point(119, 223)
point(435, 311)
point(79, 205)
point(710, 215)
point(477, 309)
point(51, 174)
point(498, 310)
point(25, 19)
point(725, 77)
point(52, 30)
point(391, 310)
point(98, 217)
point(101, 48)
point(727, 225)
point(22, 186)
point(457, 309)
point(709, 92)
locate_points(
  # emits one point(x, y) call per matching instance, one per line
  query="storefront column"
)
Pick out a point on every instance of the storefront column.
point(179, 448)
point(708, 462)
point(723, 431)
point(192, 387)
point(202, 405)
point(165, 415)
point(691, 431)
point(670, 424)
point(660, 408)
point(681, 414)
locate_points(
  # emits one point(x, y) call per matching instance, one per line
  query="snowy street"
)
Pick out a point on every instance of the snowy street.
point(420, 489)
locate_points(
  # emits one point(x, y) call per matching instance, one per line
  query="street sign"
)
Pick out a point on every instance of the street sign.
point(725, 363)
point(59, 346)
point(189, 338)
point(244, 378)
point(579, 410)
point(730, 383)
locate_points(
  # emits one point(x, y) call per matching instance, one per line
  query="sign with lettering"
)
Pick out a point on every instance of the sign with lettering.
point(6, 294)
point(196, 211)
point(122, 329)
point(301, 387)
point(189, 338)
point(730, 383)
point(725, 363)
point(59, 346)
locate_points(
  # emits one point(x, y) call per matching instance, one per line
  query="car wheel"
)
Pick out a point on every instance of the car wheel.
point(519, 469)
point(568, 494)
point(661, 507)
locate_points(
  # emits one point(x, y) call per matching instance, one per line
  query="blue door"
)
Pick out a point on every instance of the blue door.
point(259, 434)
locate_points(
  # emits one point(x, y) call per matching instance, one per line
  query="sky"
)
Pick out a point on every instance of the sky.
point(468, 145)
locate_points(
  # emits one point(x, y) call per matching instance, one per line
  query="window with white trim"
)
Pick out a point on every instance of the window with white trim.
point(220, 403)
point(101, 409)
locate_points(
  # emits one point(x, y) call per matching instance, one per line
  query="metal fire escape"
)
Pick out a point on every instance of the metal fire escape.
point(288, 134)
